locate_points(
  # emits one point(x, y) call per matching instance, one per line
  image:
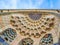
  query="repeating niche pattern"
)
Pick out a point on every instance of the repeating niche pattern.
point(47, 40)
point(31, 24)
point(9, 34)
point(26, 41)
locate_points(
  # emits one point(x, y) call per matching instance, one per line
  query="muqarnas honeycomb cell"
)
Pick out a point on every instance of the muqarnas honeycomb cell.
point(47, 40)
point(9, 34)
point(26, 41)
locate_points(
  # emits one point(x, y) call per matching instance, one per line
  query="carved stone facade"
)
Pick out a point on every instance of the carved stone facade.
point(29, 27)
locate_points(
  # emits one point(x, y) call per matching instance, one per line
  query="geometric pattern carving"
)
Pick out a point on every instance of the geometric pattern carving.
point(47, 40)
point(26, 41)
point(9, 34)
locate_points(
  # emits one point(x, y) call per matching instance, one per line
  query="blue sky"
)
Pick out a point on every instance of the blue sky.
point(29, 4)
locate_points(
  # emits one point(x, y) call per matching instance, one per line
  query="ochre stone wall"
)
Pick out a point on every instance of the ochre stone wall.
point(29, 27)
